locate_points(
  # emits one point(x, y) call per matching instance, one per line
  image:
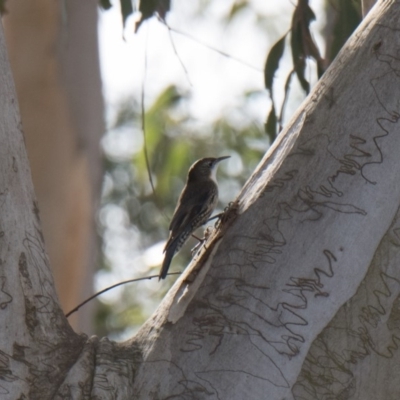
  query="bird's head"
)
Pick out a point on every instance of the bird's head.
point(205, 168)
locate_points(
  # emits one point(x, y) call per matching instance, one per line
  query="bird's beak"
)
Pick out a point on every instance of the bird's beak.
point(217, 160)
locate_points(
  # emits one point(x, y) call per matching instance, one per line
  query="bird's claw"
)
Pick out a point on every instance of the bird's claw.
point(194, 250)
point(207, 234)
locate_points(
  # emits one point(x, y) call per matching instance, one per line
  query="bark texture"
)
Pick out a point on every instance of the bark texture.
point(37, 346)
point(53, 49)
point(299, 298)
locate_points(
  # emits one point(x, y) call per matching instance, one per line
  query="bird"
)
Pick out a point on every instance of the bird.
point(196, 203)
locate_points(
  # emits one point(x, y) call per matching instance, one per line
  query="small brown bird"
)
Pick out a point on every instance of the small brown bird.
point(196, 203)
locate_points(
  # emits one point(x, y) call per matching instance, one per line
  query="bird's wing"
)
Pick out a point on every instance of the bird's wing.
point(187, 212)
point(183, 216)
point(189, 206)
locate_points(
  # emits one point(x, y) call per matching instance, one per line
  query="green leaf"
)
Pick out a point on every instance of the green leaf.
point(176, 152)
point(105, 4)
point(168, 98)
point(156, 119)
point(126, 10)
point(150, 7)
point(309, 15)
point(285, 98)
point(302, 16)
point(236, 8)
point(270, 125)
point(347, 16)
point(272, 63)
point(299, 64)
point(147, 8)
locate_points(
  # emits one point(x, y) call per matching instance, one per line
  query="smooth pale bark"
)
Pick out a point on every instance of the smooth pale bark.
point(53, 49)
point(299, 298)
point(296, 297)
point(37, 346)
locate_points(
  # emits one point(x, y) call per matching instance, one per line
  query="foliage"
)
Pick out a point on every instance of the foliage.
point(147, 9)
point(126, 8)
point(347, 16)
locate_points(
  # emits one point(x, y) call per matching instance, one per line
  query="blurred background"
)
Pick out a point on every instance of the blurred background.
point(118, 98)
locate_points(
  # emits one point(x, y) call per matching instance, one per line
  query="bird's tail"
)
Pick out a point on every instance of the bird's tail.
point(169, 253)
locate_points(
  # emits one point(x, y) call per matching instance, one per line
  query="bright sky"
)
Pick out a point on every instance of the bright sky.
point(214, 81)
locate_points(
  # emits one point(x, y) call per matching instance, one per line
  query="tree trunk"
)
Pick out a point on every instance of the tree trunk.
point(53, 51)
point(297, 294)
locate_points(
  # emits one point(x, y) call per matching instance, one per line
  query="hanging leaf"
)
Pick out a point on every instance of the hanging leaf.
point(346, 18)
point(166, 100)
point(154, 126)
point(148, 8)
point(270, 125)
point(272, 63)
point(299, 64)
point(126, 10)
point(311, 49)
point(105, 4)
point(303, 44)
point(285, 98)
point(236, 8)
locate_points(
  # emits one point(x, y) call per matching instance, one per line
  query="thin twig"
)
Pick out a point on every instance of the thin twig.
point(222, 53)
point(178, 56)
point(112, 287)
point(142, 98)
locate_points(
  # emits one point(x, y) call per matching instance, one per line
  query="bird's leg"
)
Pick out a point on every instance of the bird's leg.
point(229, 211)
point(207, 234)
point(196, 237)
point(215, 216)
point(198, 245)
point(195, 248)
point(193, 251)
